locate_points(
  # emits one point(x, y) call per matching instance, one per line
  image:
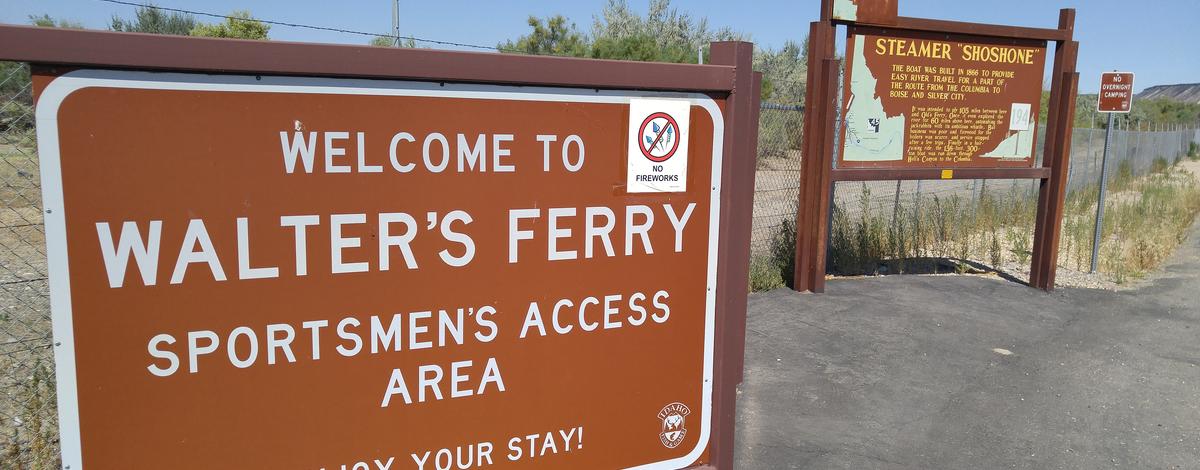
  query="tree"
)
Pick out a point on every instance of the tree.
point(1160, 111)
point(16, 97)
point(663, 35)
point(153, 20)
point(148, 19)
point(239, 25)
point(389, 41)
point(552, 36)
point(46, 21)
point(785, 72)
point(640, 47)
point(669, 29)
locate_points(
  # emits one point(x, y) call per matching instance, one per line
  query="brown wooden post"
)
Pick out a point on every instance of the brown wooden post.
point(823, 182)
point(800, 275)
point(1052, 193)
point(1072, 82)
point(737, 204)
point(816, 160)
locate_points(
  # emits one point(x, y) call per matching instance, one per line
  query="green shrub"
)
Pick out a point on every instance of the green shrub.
point(16, 117)
point(1159, 165)
point(1120, 179)
point(783, 252)
point(764, 274)
point(777, 268)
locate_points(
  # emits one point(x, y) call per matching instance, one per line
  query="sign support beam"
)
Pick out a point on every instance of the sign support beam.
point(741, 112)
point(1052, 192)
point(817, 163)
point(1103, 189)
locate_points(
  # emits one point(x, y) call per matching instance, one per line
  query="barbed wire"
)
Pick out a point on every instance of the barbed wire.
point(305, 26)
point(497, 48)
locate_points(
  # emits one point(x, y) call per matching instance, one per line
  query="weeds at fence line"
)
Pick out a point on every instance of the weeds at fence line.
point(1147, 217)
point(779, 267)
point(1144, 229)
point(1120, 179)
point(33, 443)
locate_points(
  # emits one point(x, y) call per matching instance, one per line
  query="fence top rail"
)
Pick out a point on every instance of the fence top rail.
point(784, 107)
point(107, 49)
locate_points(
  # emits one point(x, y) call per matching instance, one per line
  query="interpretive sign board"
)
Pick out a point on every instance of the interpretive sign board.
point(1116, 92)
point(324, 273)
point(919, 99)
point(933, 99)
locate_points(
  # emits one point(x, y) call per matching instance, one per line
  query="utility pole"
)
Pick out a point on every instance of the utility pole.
point(395, 23)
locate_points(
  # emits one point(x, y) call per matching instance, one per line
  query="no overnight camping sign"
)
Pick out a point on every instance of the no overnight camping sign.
point(318, 273)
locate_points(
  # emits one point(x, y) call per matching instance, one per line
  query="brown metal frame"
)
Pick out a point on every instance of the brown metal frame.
point(104, 49)
point(730, 76)
point(818, 172)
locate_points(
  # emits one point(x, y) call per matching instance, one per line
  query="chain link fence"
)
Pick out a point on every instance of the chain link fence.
point(989, 223)
point(28, 418)
point(777, 181)
point(869, 217)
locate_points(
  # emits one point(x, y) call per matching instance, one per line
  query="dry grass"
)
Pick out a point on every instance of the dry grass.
point(1146, 217)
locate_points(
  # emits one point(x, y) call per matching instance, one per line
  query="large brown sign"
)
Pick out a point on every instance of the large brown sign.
point(303, 273)
point(1116, 92)
point(915, 99)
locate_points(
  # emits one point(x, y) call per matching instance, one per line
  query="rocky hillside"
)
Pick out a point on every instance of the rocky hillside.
point(1188, 93)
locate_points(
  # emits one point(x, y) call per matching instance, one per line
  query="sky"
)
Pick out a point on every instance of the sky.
point(1156, 39)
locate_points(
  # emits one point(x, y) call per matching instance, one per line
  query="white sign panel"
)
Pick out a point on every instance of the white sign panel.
point(1019, 119)
point(658, 146)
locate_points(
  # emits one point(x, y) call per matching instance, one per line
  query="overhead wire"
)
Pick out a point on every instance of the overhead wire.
point(301, 25)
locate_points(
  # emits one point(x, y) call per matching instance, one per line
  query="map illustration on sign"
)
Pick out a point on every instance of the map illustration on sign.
point(870, 134)
point(920, 100)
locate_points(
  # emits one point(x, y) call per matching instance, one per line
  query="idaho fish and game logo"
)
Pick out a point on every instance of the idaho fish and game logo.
point(673, 429)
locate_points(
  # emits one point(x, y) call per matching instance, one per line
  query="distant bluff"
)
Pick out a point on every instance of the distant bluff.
point(1188, 93)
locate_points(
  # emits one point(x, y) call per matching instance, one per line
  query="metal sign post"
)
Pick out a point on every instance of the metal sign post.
point(1103, 189)
point(1116, 96)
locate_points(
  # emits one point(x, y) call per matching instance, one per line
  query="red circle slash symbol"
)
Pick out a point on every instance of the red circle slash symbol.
point(659, 137)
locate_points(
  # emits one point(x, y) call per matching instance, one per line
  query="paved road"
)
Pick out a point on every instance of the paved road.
point(901, 373)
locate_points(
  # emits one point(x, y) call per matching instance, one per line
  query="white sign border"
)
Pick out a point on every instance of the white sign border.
point(1100, 92)
point(57, 91)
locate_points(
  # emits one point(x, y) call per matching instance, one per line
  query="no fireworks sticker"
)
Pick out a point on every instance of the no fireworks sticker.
point(658, 146)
